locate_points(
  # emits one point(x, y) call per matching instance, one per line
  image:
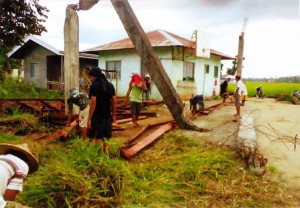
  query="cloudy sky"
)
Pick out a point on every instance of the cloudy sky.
point(272, 34)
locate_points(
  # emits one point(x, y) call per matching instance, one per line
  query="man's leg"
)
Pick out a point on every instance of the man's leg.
point(84, 133)
point(83, 119)
point(237, 105)
point(201, 106)
point(133, 111)
point(134, 120)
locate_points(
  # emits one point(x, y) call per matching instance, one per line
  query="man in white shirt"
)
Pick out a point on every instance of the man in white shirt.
point(237, 94)
point(16, 161)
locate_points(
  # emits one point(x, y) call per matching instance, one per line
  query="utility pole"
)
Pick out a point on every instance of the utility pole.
point(71, 53)
point(241, 48)
point(153, 64)
point(149, 59)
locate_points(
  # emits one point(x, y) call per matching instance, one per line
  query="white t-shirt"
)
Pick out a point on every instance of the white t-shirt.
point(14, 171)
point(239, 85)
point(244, 90)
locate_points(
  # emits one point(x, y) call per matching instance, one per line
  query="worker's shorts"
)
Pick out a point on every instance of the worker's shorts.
point(83, 117)
point(135, 108)
point(101, 128)
point(237, 99)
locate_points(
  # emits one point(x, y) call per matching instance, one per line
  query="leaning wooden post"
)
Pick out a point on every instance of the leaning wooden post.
point(71, 53)
point(153, 64)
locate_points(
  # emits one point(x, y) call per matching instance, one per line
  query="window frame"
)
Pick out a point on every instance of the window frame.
point(111, 75)
point(188, 71)
point(33, 68)
point(216, 71)
point(206, 68)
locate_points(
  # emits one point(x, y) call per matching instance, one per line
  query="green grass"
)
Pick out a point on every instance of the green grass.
point(13, 89)
point(177, 171)
point(275, 90)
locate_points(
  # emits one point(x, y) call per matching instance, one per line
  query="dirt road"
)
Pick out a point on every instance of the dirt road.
point(276, 125)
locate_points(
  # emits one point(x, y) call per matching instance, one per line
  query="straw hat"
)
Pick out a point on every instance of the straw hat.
point(22, 148)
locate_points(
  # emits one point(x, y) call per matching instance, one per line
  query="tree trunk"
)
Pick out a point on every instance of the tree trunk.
point(152, 63)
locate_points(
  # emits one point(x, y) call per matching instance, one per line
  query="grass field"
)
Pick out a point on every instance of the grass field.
point(276, 90)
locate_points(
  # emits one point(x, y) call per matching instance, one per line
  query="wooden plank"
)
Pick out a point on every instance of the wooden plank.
point(138, 134)
point(129, 152)
point(161, 123)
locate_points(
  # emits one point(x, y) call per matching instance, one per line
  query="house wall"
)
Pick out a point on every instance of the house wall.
point(130, 62)
point(37, 55)
point(206, 82)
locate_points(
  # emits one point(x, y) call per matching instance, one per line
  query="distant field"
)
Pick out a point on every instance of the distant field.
point(278, 90)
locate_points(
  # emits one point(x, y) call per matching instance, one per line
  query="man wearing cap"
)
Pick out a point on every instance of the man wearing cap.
point(82, 101)
point(295, 97)
point(237, 94)
point(136, 88)
point(224, 93)
point(16, 161)
point(102, 108)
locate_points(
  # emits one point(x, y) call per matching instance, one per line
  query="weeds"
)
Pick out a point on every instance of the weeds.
point(177, 171)
point(11, 88)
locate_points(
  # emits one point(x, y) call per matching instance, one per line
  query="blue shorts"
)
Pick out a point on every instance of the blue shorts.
point(101, 128)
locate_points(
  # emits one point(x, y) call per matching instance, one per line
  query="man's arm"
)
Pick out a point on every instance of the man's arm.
point(114, 108)
point(128, 93)
point(144, 87)
point(70, 115)
point(10, 195)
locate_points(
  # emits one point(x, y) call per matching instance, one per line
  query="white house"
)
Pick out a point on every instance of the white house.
point(189, 74)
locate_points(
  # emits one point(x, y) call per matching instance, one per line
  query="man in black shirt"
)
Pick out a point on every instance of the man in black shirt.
point(197, 100)
point(224, 93)
point(82, 101)
point(102, 107)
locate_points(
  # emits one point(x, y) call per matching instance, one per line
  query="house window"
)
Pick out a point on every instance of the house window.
point(113, 65)
point(216, 71)
point(33, 69)
point(206, 68)
point(188, 71)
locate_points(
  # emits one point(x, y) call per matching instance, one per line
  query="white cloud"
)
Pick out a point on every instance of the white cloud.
point(271, 40)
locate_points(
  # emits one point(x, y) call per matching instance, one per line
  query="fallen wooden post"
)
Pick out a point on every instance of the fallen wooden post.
point(130, 151)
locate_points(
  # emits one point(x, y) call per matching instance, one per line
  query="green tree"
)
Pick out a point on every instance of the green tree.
point(19, 18)
point(232, 70)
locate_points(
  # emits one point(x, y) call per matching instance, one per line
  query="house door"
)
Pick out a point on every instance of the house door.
point(54, 68)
